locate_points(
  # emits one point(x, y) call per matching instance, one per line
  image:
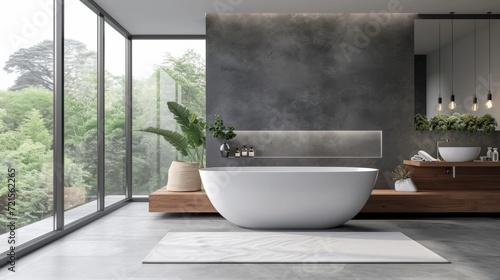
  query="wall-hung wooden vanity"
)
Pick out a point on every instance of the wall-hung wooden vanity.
point(467, 187)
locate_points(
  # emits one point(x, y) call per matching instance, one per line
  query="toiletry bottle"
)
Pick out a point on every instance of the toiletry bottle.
point(237, 153)
point(489, 154)
point(495, 154)
point(251, 152)
point(244, 151)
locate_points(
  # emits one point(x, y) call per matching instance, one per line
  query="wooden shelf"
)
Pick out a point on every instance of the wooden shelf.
point(451, 164)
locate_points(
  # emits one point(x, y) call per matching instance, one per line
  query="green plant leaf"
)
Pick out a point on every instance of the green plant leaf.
point(421, 122)
point(192, 127)
point(178, 141)
point(487, 123)
point(192, 118)
point(401, 173)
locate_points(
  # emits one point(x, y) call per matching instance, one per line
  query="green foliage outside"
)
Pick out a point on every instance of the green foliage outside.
point(25, 144)
point(152, 155)
point(26, 124)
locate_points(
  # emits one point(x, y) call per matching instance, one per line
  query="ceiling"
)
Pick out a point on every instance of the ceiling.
point(187, 17)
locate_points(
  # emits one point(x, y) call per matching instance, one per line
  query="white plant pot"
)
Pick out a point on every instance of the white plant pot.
point(405, 185)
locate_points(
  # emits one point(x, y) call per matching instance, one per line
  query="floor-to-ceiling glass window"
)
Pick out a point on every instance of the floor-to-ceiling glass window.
point(163, 70)
point(80, 111)
point(26, 103)
point(114, 131)
point(27, 148)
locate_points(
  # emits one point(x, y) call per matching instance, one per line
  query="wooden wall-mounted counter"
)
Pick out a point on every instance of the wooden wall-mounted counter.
point(438, 201)
point(476, 175)
point(451, 164)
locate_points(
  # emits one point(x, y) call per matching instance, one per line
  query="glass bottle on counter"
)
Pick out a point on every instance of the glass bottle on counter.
point(495, 154)
point(251, 152)
point(237, 153)
point(244, 151)
point(489, 154)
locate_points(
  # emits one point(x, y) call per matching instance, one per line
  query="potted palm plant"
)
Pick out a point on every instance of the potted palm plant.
point(190, 143)
point(403, 183)
point(224, 133)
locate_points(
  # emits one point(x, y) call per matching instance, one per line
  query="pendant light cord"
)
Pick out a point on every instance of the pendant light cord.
point(489, 52)
point(452, 41)
point(439, 58)
point(475, 64)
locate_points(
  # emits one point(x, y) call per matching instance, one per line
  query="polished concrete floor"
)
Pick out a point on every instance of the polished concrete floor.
point(113, 248)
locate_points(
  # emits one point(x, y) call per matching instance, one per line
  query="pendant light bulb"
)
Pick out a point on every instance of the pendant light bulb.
point(440, 104)
point(489, 103)
point(474, 106)
point(452, 104)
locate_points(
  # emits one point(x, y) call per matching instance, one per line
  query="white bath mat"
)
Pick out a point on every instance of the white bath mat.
point(290, 247)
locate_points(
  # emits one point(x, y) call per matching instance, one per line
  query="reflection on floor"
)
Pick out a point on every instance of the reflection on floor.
point(39, 228)
point(114, 246)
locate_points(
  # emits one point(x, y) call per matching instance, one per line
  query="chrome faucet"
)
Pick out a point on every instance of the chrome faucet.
point(437, 149)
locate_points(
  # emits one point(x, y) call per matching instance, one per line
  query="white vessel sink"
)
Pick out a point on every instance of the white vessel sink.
point(459, 154)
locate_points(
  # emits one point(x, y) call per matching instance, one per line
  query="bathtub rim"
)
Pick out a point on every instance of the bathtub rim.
point(288, 169)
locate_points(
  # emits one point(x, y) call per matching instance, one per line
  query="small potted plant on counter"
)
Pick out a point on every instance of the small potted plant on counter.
point(224, 133)
point(403, 183)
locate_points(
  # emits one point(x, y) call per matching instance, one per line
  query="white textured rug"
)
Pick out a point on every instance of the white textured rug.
point(290, 247)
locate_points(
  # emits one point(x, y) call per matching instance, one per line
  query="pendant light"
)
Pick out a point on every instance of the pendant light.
point(489, 103)
point(474, 106)
point(452, 104)
point(440, 100)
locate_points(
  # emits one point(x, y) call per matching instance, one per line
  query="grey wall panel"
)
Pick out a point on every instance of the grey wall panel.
point(316, 72)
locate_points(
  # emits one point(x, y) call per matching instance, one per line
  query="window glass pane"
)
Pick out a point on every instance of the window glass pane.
point(163, 70)
point(80, 111)
point(26, 104)
point(114, 132)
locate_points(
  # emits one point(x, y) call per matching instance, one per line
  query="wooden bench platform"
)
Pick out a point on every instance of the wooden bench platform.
point(381, 201)
point(180, 202)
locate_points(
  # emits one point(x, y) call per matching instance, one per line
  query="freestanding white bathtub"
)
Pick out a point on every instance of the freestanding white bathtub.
point(288, 197)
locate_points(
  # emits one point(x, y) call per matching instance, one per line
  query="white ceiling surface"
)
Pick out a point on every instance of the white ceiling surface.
point(187, 17)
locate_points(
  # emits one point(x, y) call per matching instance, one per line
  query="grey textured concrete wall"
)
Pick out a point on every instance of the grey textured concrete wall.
point(316, 72)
